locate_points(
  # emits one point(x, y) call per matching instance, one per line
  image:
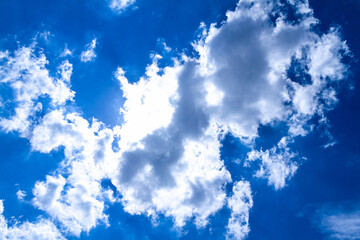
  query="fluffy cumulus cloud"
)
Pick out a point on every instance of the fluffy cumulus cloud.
point(77, 200)
point(42, 229)
point(250, 50)
point(88, 54)
point(219, 92)
point(168, 156)
point(172, 166)
point(296, 68)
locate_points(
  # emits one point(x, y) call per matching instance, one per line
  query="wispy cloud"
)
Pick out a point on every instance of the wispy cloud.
point(89, 54)
point(339, 222)
point(26, 73)
point(240, 204)
point(120, 5)
point(21, 195)
point(276, 164)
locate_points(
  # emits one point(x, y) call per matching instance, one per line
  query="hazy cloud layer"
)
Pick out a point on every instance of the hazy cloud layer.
point(339, 222)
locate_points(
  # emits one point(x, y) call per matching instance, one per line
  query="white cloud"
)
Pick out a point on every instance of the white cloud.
point(249, 51)
point(326, 55)
point(120, 5)
point(338, 223)
point(66, 52)
point(21, 195)
point(46, 35)
point(88, 159)
point(239, 82)
point(324, 63)
point(76, 208)
point(343, 226)
point(147, 107)
point(275, 164)
point(154, 180)
point(172, 166)
point(25, 73)
point(65, 71)
point(240, 204)
point(88, 54)
point(168, 161)
point(246, 52)
point(41, 229)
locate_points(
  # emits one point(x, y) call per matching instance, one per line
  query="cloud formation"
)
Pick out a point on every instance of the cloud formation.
point(42, 229)
point(88, 54)
point(77, 200)
point(276, 164)
point(339, 223)
point(27, 79)
point(218, 93)
point(240, 204)
point(80, 205)
point(256, 68)
point(120, 5)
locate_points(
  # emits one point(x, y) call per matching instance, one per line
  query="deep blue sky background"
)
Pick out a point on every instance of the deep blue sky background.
point(327, 176)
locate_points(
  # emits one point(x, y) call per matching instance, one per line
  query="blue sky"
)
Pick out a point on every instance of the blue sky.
point(132, 119)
